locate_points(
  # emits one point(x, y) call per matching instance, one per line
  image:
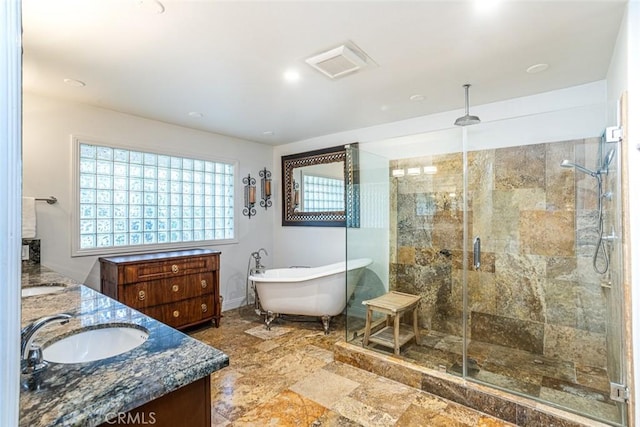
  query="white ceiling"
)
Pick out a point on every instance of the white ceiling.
point(226, 59)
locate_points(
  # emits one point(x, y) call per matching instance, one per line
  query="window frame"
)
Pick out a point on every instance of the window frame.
point(77, 251)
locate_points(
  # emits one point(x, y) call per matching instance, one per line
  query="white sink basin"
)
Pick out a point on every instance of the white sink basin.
point(95, 344)
point(41, 289)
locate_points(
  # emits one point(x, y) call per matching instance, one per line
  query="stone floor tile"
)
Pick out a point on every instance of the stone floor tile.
point(288, 408)
point(362, 413)
point(385, 395)
point(333, 419)
point(325, 387)
point(291, 379)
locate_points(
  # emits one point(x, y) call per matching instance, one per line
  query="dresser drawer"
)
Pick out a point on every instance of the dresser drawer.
point(155, 292)
point(179, 288)
point(183, 313)
point(168, 268)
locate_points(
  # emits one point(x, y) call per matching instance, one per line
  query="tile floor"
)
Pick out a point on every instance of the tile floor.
point(287, 377)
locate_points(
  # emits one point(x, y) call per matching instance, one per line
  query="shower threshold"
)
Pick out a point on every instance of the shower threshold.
point(516, 386)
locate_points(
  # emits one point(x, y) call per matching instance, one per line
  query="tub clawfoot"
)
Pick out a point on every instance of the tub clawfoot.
point(319, 292)
point(326, 320)
point(268, 318)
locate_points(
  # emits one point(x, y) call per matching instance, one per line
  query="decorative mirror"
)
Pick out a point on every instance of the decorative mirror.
point(320, 188)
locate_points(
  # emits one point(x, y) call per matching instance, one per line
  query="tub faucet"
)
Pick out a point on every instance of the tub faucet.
point(30, 354)
point(259, 268)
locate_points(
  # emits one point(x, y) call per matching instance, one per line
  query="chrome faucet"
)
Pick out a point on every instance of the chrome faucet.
point(259, 268)
point(30, 354)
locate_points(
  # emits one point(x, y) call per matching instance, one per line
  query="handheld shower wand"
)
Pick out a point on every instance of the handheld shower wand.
point(603, 169)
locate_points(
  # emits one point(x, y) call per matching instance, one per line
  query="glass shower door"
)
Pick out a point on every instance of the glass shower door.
point(412, 221)
point(536, 316)
point(370, 239)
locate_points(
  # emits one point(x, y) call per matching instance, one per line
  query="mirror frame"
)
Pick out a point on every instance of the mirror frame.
point(350, 217)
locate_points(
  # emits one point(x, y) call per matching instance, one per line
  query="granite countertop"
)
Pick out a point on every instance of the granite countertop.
point(88, 394)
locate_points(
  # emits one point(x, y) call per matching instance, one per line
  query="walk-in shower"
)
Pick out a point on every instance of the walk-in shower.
point(535, 319)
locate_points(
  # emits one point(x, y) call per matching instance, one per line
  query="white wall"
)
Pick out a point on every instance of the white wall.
point(47, 155)
point(617, 77)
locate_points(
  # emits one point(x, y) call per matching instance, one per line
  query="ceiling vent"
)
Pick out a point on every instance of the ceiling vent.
point(339, 61)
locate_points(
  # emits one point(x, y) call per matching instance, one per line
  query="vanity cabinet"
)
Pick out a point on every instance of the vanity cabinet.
point(179, 288)
point(187, 406)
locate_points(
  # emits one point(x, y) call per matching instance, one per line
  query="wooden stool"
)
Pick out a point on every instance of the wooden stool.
point(393, 304)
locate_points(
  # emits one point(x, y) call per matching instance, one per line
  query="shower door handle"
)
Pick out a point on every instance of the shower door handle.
point(476, 253)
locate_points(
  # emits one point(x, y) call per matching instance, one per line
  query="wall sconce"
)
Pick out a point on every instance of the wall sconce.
point(265, 178)
point(249, 196)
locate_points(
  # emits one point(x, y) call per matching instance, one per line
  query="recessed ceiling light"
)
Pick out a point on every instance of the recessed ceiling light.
point(268, 133)
point(537, 68)
point(196, 114)
point(416, 98)
point(151, 6)
point(486, 5)
point(74, 82)
point(291, 76)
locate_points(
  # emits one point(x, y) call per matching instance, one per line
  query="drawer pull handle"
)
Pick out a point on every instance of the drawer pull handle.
point(176, 313)
point(175, 288)
point(203, 283)
point(142, 295)
point(175, 268)
point(204, 308)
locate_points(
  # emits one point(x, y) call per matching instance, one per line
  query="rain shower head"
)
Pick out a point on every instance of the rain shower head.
point(568, 164)
point(467, 119)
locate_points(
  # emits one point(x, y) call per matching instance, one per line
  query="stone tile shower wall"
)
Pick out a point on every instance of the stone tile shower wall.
point(536, 290)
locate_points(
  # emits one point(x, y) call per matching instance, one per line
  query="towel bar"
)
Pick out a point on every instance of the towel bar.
point(51, 200)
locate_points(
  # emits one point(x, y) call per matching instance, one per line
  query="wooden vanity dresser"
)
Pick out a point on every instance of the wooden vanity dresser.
point(178, 288)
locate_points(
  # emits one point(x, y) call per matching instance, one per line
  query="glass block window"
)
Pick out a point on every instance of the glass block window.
point(321, 194)
point(132, 198)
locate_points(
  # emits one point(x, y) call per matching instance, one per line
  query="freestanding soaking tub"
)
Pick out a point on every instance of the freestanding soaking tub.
point(308, 291)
